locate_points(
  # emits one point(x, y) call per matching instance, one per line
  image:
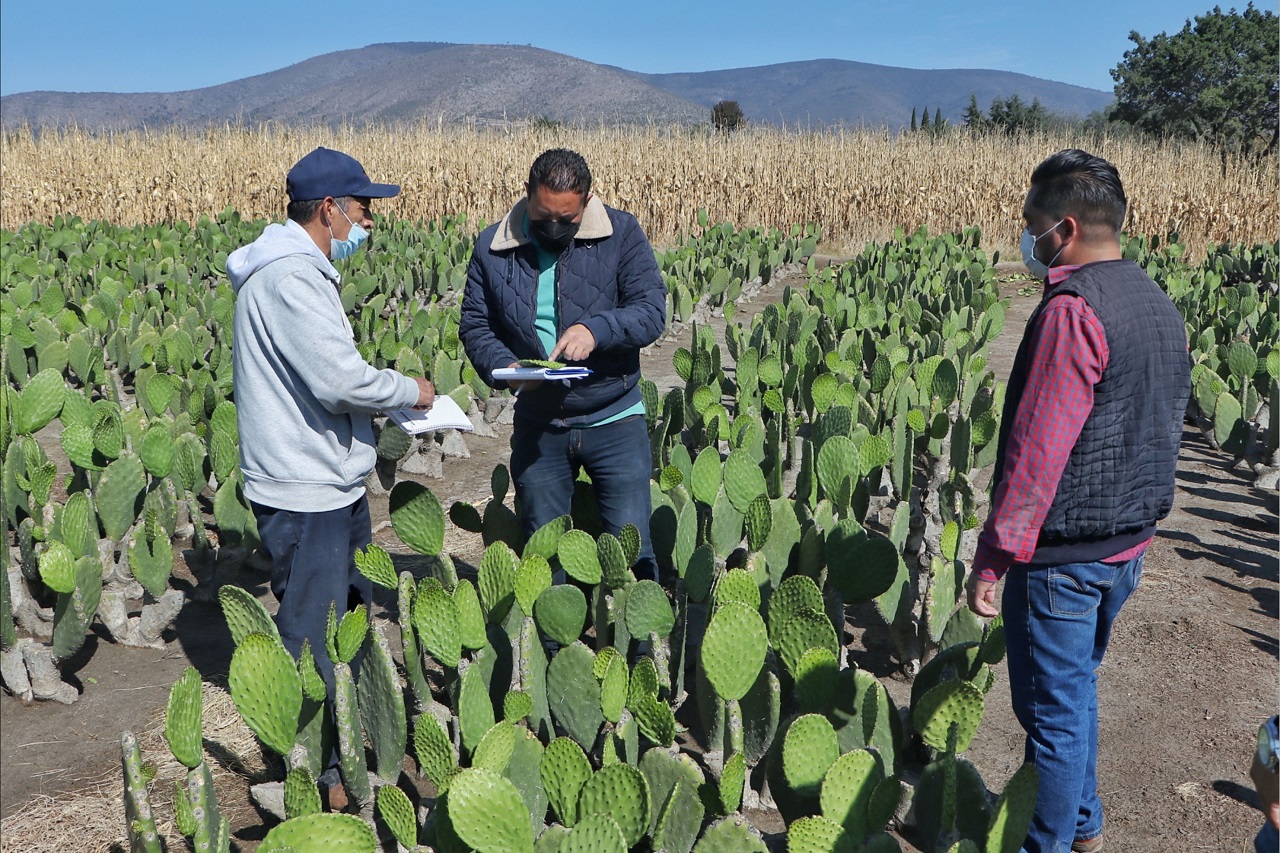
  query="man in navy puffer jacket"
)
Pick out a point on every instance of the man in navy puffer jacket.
point(564, 277)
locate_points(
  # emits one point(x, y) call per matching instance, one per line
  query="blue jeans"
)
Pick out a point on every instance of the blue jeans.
point(1057, 624)
point(1267, 840)
point(545, 462)
point(313, 565)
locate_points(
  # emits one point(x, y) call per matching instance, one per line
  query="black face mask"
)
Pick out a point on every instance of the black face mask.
point(552, 235)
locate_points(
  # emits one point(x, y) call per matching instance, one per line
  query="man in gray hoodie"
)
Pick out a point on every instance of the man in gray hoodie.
point(304, 400)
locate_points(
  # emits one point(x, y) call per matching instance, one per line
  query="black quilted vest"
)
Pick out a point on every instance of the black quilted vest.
point(1119, 479)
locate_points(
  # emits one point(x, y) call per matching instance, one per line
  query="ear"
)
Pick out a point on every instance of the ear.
point(325, 218)
point(1070, 229)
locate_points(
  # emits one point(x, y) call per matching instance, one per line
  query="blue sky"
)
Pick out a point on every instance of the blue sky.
point(149, 45)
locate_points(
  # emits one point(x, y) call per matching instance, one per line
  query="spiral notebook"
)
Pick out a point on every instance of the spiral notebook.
point(444, 413)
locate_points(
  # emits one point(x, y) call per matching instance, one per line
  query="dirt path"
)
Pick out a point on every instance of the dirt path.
point(1191, 671)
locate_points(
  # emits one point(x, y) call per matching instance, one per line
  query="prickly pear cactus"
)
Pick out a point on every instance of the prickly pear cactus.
point(847, 788)
point(731, 835)
point(597, 833)
point(301, 797)
point(620, 791)
point(375, 564)
point(417, 517)
point(245, 615)
point(578, 556)
point(809, 749)
point(182, 727)
point(382, 710)
point(819, 835)
point(561, 613)
point(954, 702)
point(397, 813)
point(143, 837)
point(574, 693)
point(488, 813)
point(1011, 816)
point(266, 690)
point(435, 622)
point(733, 649)
point(564, 770)
point(434, 752)
point(314, 833)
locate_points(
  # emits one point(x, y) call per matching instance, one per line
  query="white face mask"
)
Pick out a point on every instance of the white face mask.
point(1028, 246)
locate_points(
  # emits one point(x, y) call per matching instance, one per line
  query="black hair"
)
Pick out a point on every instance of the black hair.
point(304, 210)
point(560, 170)
point(1076, 183)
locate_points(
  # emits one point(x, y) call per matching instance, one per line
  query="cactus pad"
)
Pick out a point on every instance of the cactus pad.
point(597, 833)
point(731, 835)
point(397, 813)
point(951, 702)
point(733, 649)
point(266, 690)
point(561, 613)
point(620, 791)
point(743, 479)
point(807, 629)
point(182, 727)
point(245, 615)
point(497, 581)
point(704, 480)
point(1011, 816)
point(40, 401)
point(352, 630)
point(471, 630)
point(435, 621)
point(58, 568)
point(532, 577)
point(546, 539)
point(487, 812)
point(815, 676)
point(495, 748)
point(301, 797)
point(738, 585)
point(700, 574)
point(574, 693)
point(613, 561)
point(564, 770)
point(732, 779)
point(613, 689)
point(847, 789)
point(375, 564)
point(819, 835)
point(655, 719)
point(794, 594)
point(577, 553)
point(119, 495)
point(648, 611)
point(516, 705)
point(808, 751)
point(434, 752)
point(417, 517)
point(865, 570)
point(314, 833)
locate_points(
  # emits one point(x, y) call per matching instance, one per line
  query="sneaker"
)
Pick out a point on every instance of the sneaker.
point(1087, 845)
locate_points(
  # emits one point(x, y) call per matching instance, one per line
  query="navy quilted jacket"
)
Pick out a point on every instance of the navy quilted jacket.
point(607, 279)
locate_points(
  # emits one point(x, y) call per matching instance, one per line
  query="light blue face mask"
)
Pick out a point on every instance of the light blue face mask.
point(339, 249)
point(1028, 246)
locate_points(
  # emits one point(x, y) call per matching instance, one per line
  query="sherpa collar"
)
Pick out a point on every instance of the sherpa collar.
point(596, 225)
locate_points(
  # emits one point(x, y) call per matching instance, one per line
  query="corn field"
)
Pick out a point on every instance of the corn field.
point(858, 186)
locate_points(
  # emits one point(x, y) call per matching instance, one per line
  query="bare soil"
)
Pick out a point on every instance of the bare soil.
point(1191, 671)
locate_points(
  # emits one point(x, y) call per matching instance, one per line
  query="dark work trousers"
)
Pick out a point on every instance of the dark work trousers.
point(313, 565)
point(545, 461)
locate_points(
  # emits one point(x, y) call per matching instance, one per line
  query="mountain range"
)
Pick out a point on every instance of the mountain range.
point(433, 81)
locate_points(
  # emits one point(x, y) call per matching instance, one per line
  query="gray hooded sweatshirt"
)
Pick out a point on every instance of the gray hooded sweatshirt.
point(303, 393)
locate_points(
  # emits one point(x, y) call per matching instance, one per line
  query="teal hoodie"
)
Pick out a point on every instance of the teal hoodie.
point(304, 395)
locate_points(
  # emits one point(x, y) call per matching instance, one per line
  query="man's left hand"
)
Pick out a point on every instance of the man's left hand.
point(575, 344)
point(982, 596)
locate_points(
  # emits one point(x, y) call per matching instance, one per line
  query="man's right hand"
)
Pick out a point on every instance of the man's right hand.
point(426, 393)
point(982, 596)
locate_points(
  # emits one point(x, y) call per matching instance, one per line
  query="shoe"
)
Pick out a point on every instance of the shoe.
point(336, 798)
point(1087, 845)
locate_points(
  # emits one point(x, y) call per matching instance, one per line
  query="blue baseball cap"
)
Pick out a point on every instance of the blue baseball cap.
point(325, 172)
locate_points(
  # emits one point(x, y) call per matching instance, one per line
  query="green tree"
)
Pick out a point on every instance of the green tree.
point(727, 116)
point(924, 119)
point(973, 115)
point(1215, 80)
point(938, 121)
point(913, 119)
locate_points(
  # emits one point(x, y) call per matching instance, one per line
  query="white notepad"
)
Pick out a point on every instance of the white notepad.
point(524, 374)
point(444, 413)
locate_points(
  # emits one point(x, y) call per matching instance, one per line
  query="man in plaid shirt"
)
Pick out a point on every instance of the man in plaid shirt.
point(1087, 456)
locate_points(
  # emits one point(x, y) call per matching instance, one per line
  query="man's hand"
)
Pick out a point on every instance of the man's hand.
point(982, 596)
point(426, 393)
point(518, 385)
point(575, 344)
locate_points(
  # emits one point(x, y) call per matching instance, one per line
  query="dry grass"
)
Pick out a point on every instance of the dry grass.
point(92, 817)
point(857, 185)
